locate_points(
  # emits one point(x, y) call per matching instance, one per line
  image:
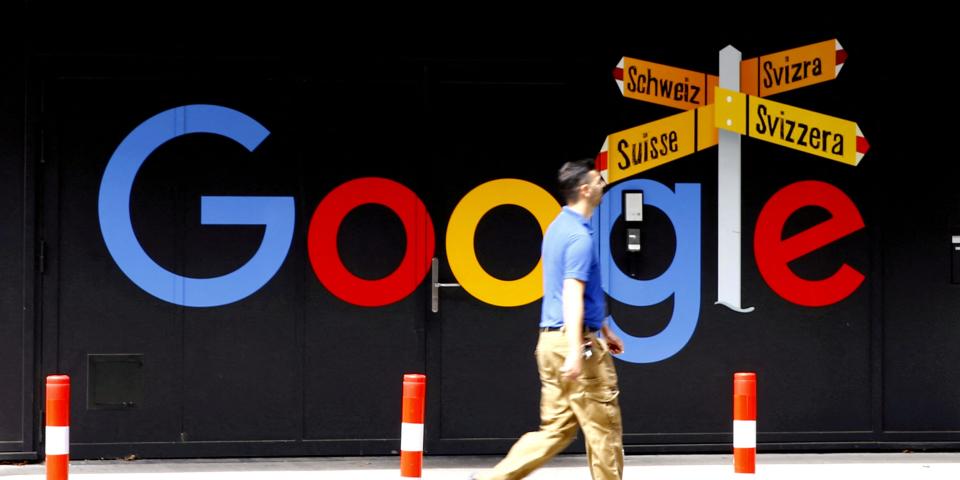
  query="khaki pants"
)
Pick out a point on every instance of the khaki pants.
point(591, 401)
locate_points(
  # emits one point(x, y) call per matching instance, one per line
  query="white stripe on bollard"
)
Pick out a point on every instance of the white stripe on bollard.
point(57, 440)
point(744, 434)
point(411, 437)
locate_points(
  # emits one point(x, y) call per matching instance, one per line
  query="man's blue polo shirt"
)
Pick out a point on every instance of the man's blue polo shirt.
point(568, 252)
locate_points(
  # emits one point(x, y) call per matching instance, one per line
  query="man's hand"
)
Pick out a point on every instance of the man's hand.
point(613, 341)
point(572, 366)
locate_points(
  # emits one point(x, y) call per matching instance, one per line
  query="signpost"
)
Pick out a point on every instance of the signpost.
point(734, 114)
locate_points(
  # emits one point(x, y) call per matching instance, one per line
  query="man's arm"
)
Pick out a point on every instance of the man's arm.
point(613, 341)
point(573, 321)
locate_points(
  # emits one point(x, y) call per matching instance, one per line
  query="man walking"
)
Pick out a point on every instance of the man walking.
point(577, 376)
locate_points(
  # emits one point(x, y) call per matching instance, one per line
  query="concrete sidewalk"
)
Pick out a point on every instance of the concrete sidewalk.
point(566, 467)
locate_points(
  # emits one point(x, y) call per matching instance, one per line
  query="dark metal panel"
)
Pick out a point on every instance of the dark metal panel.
point(16, 240)
point(242, 361)
point(91, 307)
point(813, 363)
point(921, 305)
point(483, 358)
point(920, 203)
point(355, 356)
point(15, 362)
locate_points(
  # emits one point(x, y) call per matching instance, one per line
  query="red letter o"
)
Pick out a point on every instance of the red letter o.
point(322, 242)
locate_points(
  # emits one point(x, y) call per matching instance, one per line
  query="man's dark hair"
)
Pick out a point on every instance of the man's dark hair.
point(571, 176)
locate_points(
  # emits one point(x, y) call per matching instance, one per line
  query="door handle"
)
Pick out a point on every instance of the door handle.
point(435, 286)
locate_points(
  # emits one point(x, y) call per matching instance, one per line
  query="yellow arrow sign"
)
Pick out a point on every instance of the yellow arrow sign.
point(761, 76)
point(653, 144)
point(792, 127)
point(791, 69)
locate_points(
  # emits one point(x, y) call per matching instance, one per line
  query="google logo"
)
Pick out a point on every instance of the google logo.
point(681, 280)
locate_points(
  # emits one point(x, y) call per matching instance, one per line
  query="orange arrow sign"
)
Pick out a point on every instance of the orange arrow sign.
point(792, 69)
point(663, 84)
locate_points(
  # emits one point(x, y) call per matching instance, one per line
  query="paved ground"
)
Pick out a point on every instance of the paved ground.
point(900, 466)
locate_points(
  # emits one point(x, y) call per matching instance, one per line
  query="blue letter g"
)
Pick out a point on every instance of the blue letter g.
point(275, 213)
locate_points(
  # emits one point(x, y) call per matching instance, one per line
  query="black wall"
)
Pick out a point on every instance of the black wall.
point(294, 370)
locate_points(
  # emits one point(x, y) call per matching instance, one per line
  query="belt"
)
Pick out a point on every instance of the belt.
point(555, 329)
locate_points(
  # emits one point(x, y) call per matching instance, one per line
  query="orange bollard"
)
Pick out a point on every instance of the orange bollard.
point(745, 422)
point(57, 432)
point(411, 429)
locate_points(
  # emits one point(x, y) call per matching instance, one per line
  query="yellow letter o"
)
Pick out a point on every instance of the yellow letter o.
point(463, 226)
